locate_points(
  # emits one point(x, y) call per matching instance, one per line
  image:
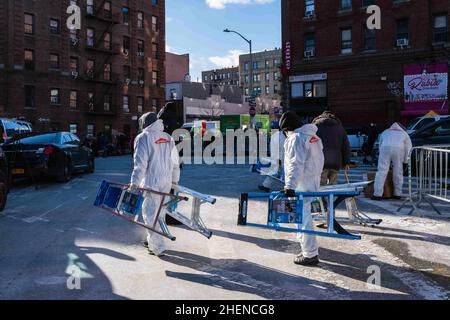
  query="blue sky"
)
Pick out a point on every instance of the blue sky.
point(196, 27)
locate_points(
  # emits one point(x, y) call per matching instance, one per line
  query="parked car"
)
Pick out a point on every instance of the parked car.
point(436, 133)
point(58, 154)
point(356, 138)
point(4, 180)
point(10, 128)
point(422, 122)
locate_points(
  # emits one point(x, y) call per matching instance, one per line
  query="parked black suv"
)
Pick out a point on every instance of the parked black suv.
point(437, 133)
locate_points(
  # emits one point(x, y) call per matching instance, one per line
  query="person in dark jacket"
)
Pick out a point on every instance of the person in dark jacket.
point(336, 146)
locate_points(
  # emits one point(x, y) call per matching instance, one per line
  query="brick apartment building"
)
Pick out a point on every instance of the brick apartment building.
point(225, 76)
point(99, 78)
point(266, 73)
point(332, 61)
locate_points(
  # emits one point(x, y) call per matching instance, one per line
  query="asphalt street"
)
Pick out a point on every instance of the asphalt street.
point(45, 233)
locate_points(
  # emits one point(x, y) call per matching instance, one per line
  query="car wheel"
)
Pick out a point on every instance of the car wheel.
point(66, 174)
point(3, 191)
point(91, 165)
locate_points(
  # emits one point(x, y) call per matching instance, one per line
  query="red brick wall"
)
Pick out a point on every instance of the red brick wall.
point(177, 67)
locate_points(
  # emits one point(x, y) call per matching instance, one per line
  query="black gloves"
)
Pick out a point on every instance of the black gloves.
point(289, 193)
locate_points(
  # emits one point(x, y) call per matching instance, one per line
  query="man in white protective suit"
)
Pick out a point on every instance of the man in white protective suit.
point(277, 141)
point(304, 162)
point(156, 167)
point(395, 146)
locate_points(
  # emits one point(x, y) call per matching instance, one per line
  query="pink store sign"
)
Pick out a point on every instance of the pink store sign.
point(426, 88)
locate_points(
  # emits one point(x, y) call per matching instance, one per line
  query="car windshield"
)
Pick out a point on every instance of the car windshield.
point(48, 138)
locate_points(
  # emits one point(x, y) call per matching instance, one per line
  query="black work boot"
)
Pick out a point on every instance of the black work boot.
point(308, 262)
point(375, 198)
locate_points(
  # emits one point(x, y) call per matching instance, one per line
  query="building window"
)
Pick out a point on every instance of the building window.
point(267, 64)
point(107, 72)
point(126, 45)
point(256, 65)
point(267, 90)
point(317, 89)
point(126, 72)
point(126, 104)
point(155, 24)
point(440, 28)
point(107, 41)
point(155, 104)
point(141, 76)
point(107, 128)
point(155, 78)
point(257, 91)
point(267, 76)
point(29, 59)
point(90, 69)
point(90, 130)
point(403, 29)
point(154, 2)
point(310, 44)
point(276, 76)
point(54, 61)
point(73, 64)
point(275, 89)
point(370, 40)
point(155, 51)
point(246, 66)
point(256, 78)
point(73, 99)
point(90, 7)
point(107, 103)
point(54, 26)
point(107, 9)
point(366, 3)
point(55, 97)
point(346, 4)
point(140, 104)
point(309, 7)
point(141, 48)
point(346, 41)
point(126, 15)
point(73, 128)
point(91, 101)
point(140, 20)
point(30, 97)
point(29, 23)
point(90, 34)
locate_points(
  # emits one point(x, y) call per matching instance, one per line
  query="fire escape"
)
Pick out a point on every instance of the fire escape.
point(105, 80)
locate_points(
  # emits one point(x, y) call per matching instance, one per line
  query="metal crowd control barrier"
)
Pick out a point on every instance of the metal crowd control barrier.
point(115, 198)
point(428, 176)
point(285, 211)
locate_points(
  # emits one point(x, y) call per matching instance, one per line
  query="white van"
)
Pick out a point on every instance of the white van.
point(421, 122)
point(11, 127)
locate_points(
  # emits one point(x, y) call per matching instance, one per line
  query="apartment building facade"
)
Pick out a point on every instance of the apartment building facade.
point(177, 67)
point(266, 73)
point(332, 60)
point(221, 77)
point(99, 78)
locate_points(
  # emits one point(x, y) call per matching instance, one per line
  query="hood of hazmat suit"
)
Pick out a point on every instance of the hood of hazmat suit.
point(304, 159)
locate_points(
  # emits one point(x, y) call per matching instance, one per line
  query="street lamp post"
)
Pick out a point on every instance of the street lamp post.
point(251, 58)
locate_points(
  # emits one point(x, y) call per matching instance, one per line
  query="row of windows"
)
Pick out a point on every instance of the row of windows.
point(267, 77)
point(55, 100)
point(344, 5)
point(257, 90)
point(221, 76)
point(440, 28)
point(55, 26)
point(258, 64)
point(91, 72)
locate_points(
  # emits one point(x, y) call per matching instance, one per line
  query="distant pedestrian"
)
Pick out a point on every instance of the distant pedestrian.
point(336, 147)
point(372, 133)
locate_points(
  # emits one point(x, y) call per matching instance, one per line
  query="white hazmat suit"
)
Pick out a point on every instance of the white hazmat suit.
point(304, 162)
point(277, 155)
point(156, 167)
point(395, 146)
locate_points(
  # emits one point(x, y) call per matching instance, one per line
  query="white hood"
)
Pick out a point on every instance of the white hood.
point(397, 127)
point(158, 125)
point(308, 129)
